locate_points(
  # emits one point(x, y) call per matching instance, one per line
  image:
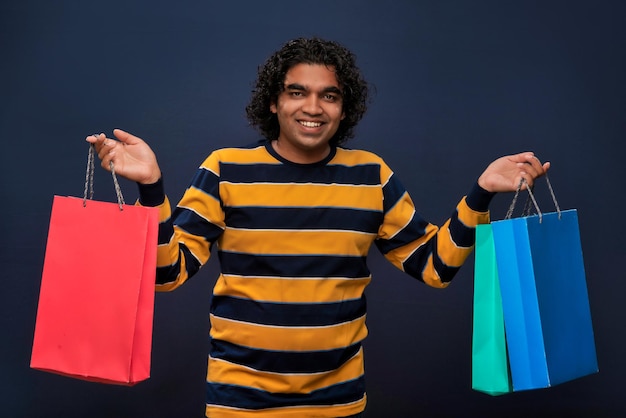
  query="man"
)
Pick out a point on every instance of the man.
point(294, 217)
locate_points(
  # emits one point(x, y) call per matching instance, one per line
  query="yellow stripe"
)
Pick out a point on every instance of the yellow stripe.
point(398, 256)
point(290, 290)
point(403, 210)
point(165, 209)
point(198, 246)
point(179, 281)
point(227, 373)
point(431, 278)
point(448, 252)
point(205, 205)
point(168, 254)
point(296, 242)
point(297, 195)
point(469, 217)
point(332, 411)
point(163, 255)
point(288, 338)
point(257, 155)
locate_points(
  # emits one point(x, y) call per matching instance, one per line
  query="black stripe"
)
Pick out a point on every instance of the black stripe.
point(446, 273)
point(283, 361)
point(287, 314)
point(304, 218)
point(415, 264)
point(192, 263)
point(462, 235)
point(293, 266)
point(167, 274)
point(392, 192)
point(411, 232)
point(206, 181)
point(366, 174)
point(166, 230)
point(250, 398)
point(196, 225)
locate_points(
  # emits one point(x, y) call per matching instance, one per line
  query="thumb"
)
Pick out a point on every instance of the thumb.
point(125, 137)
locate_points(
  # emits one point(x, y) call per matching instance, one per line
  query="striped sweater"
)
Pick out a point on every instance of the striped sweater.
point(288, 310)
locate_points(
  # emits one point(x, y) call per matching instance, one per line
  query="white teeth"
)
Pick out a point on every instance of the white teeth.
point(311, 124)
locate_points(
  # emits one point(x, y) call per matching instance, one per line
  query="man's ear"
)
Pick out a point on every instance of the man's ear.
point(273, 107)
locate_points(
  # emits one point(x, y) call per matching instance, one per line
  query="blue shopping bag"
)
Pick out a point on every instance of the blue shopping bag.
point(546, 309)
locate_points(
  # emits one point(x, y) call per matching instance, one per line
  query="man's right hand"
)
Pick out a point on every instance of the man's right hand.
point(131, 156)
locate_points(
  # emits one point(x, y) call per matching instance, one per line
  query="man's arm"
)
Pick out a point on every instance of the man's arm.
point(434, 254)
point(134, 160)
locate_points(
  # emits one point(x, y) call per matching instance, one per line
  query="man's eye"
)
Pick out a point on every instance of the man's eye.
point(296, 94)
point(330, 97)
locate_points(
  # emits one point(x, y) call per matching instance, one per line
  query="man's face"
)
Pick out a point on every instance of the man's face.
point(309, 111)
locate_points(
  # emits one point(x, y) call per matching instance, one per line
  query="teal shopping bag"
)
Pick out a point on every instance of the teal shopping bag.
point(490, 370)
point(546, 309)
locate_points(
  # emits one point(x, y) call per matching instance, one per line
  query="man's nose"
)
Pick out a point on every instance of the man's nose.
point(311, 105)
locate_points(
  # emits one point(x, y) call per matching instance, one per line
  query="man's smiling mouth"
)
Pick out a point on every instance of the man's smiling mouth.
point(310, 124)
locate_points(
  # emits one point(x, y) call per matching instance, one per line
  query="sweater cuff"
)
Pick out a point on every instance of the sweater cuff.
point(152, 194)
point(478, 199)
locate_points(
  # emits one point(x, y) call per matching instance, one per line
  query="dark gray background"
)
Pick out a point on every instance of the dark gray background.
point(459, 83)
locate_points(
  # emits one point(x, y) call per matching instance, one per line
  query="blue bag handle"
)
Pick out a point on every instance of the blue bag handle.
point(532, 197)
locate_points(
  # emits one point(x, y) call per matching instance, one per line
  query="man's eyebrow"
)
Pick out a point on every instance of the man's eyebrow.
point(332, 89)
point(295, 86)
point(300, 87)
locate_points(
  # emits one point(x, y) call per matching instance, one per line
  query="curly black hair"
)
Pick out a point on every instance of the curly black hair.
point(271, 78)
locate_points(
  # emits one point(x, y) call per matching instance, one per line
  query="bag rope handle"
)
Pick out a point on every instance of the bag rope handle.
point(523, 181)
point(89, 179)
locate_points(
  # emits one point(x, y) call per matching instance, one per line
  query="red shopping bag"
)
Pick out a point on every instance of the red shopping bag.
point(96, 304)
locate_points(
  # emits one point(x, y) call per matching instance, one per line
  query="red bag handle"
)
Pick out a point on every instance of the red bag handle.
point(89, 179)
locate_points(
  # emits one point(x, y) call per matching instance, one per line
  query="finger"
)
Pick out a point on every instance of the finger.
point(529, 182)
point(528, 168)
point(126, 137)
point(529, 175)
point(105, 146)
point(540, 168)
point(523, 157)
point(534, 165)
point(95, 139)
point(526, 175)
point(106, 163)
point(107, 154)
point(101, 147)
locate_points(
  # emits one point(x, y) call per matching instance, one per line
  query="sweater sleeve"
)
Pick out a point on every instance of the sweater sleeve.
point(187, 233)
point(151, 194)
point(478, 199)
point(430, 253)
